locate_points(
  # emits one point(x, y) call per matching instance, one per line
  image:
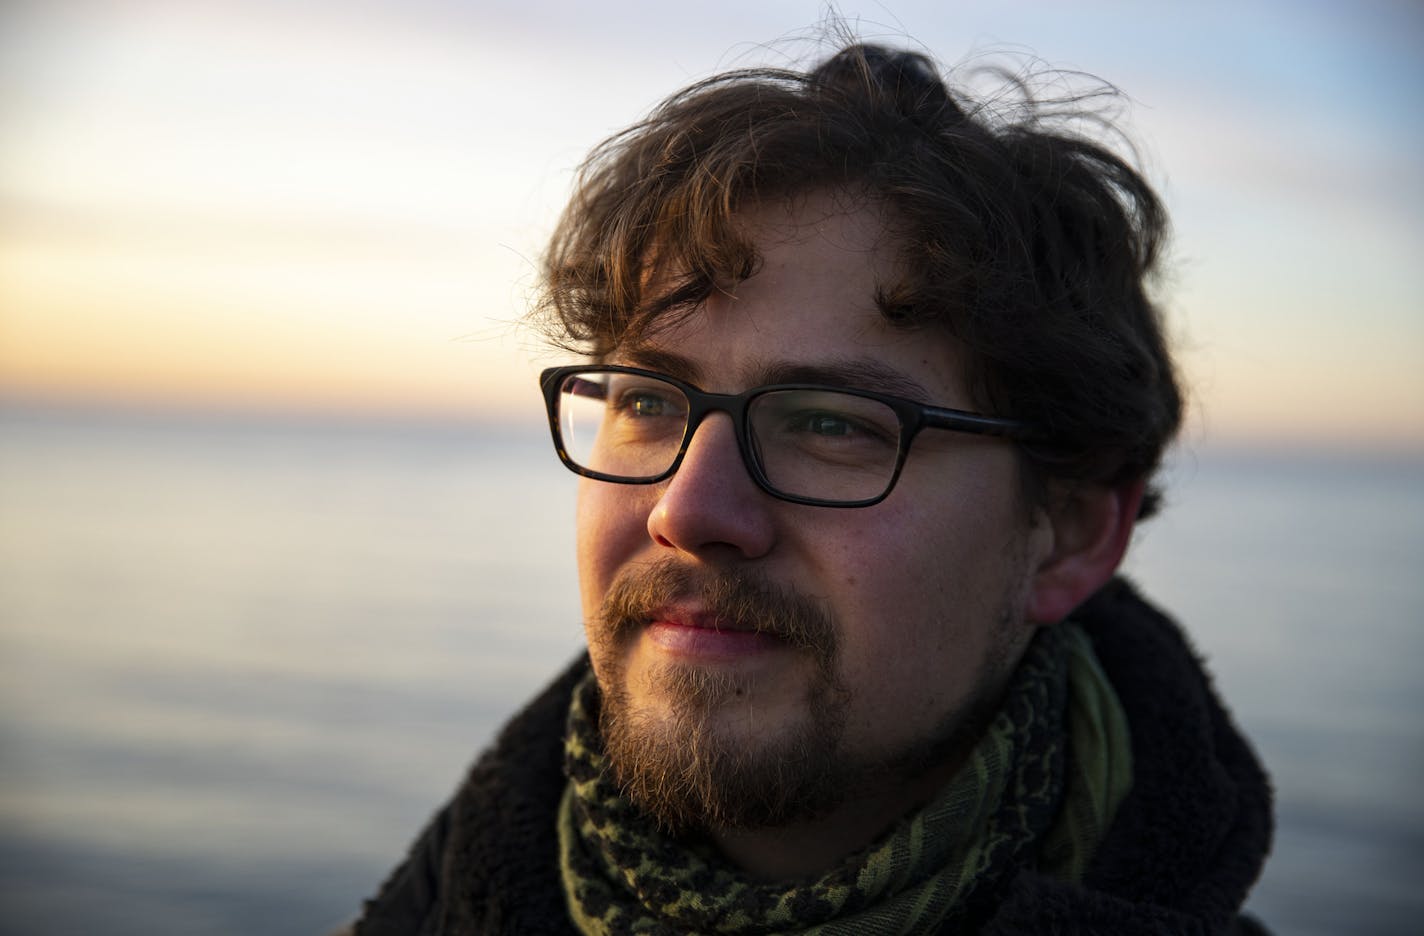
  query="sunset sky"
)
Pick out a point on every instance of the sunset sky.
point(337, 206)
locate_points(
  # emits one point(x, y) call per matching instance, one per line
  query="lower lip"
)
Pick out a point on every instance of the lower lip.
point(708, 644)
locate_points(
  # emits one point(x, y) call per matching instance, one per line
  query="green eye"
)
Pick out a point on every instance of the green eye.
point(825, 424)
point(646, 405)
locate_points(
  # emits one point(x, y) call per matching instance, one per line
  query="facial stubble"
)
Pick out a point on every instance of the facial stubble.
point(680, 763)
point(676, 761)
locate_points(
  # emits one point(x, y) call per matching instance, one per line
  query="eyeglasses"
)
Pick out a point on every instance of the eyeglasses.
point(808, 444)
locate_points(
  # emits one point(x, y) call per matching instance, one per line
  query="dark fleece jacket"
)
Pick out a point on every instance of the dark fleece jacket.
point(1184, 849)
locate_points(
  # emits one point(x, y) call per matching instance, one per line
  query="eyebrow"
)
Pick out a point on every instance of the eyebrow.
point(844, 373)
point(664, 362)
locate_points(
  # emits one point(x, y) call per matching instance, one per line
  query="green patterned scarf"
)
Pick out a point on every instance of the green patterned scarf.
point(1037, 791)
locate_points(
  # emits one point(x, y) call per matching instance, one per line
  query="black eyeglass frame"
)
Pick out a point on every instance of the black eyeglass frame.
point(913, 417)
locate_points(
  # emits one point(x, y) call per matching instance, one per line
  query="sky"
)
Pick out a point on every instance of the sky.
point(313, 205)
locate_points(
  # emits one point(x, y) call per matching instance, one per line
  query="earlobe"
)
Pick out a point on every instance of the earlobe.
point(1092, 526)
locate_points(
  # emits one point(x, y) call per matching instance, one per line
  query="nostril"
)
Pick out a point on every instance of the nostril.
point(657, 523)
point(711, 503)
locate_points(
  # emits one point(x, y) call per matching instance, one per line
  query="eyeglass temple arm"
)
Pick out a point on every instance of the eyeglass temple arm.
point(960, 421)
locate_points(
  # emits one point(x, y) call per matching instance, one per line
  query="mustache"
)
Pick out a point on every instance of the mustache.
point(739, 598)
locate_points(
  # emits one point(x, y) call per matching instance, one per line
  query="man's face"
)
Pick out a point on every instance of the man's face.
point(889, 629)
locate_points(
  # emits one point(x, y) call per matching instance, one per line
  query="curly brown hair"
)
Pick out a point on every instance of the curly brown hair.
point(1030, 244)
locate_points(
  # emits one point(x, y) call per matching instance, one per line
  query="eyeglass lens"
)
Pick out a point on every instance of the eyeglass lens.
point(820, 444)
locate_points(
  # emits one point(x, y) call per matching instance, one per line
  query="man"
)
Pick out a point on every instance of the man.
point(873, 399)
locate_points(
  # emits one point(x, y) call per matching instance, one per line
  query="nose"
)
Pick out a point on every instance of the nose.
point(711, 505)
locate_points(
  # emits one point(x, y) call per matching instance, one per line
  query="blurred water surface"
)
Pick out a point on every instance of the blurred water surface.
point(241, 661)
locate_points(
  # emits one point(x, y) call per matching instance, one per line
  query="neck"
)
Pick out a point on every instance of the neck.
point(812, 847)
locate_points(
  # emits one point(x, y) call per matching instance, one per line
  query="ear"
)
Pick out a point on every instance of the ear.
point(1091, 526)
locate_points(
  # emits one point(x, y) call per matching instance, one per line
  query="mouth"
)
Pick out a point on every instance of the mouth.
point(707, 637)
point(711, 616)
point(698, 620)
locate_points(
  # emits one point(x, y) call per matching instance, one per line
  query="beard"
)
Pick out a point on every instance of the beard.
point(681, 764)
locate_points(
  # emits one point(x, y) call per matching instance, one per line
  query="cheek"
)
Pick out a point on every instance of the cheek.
point(919, 604)
point(611, 528)
point(885, 588)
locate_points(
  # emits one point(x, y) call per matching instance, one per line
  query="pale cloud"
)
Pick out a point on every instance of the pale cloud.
point(291, 176)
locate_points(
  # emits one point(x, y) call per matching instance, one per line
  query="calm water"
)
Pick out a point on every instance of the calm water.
point(240, 662)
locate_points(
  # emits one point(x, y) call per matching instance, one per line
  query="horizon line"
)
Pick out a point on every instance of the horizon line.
point(406, 415)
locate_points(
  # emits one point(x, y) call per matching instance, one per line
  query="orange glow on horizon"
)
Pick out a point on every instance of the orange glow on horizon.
point(205, 205)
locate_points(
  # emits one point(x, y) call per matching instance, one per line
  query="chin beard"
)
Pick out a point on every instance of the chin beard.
point(681, 764)
point(685, 770)
point(678, 762)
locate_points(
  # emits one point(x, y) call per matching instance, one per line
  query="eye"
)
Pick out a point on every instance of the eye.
point(840, 428)
point(824, 419)
point(825, 424)
point(642, 403)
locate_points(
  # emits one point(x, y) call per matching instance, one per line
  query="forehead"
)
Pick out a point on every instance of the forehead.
point(814, 310)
